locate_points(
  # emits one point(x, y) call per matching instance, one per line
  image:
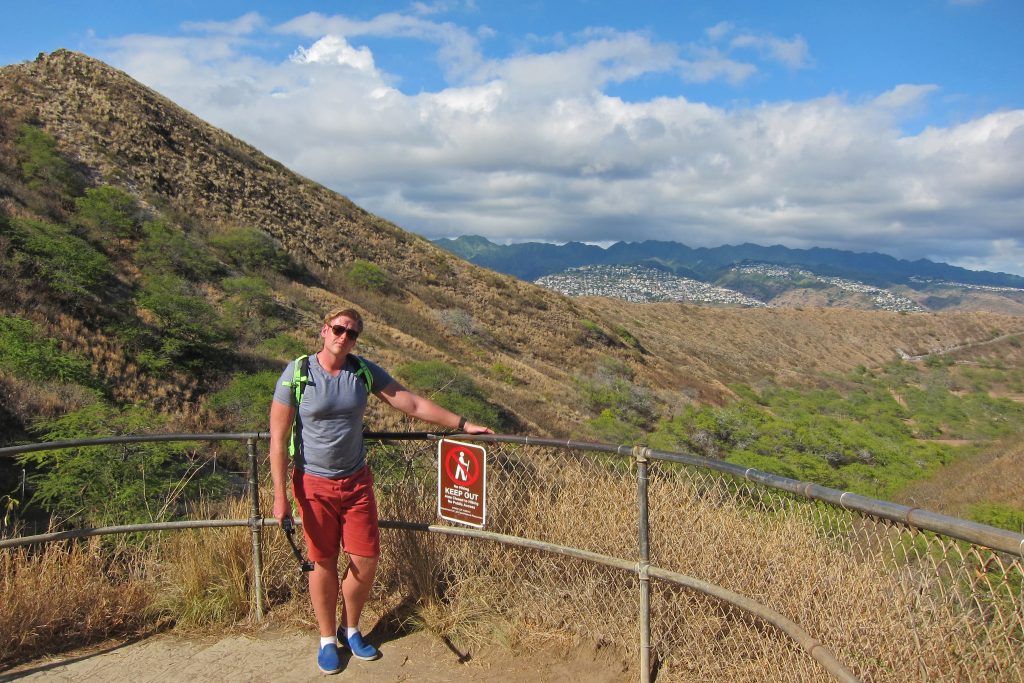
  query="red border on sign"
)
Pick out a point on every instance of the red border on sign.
point(462, 491)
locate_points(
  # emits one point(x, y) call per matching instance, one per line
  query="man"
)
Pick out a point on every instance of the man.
point(332, 485)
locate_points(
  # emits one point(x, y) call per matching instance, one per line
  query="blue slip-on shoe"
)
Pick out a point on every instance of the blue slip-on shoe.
point(328, 660)
point(362, 650)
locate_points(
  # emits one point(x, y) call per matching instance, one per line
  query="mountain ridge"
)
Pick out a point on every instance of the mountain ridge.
point(774, 276)
point(873, 267)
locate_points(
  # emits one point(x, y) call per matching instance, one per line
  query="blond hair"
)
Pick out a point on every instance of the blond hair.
point(348, 313)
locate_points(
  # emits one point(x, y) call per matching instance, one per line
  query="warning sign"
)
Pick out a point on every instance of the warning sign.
point(462, 482)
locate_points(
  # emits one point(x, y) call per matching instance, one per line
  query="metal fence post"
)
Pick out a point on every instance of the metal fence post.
point(257, 524)
point(640, 454)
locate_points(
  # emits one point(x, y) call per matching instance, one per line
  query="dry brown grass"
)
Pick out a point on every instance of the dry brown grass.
point(62, 595)
point(68, 594)
point(201, 577)
point(30, 399)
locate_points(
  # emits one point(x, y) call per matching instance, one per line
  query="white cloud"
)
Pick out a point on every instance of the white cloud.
point(719, 31)
point(605, 58)
point(243, 25)
point(710, 65)
point(791, 53)
point(335, 49)
point(711, 62)
point(531, 146)
point(458, 48)
point(904, 96)
point(442, 6)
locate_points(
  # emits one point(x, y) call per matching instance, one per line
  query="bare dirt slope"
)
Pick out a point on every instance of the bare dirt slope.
point(288, 655)
point(993, 476)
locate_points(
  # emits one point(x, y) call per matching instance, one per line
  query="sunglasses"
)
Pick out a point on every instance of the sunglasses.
point(339, 330)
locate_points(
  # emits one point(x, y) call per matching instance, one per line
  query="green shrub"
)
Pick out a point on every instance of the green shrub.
point(25, 352)
point(938, 360)
point(451, 389)
point(166, 249)
point(365, 275)
point(189, 324)
point(434, 375)
point(42, 166)
point(997, 515)
point(745, 392)
point(608, 427)
point(249, 306)
point(68, 264)
point(250, 249)
point(627, 337)
point(591, 334)
point(610, 387)
point(283, 347)
point(108, 211)
point(505, 374)
point(856, 435)
point(245, 402)
point(119, 483)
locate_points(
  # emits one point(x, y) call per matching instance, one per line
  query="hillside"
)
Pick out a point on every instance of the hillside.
point(524, 346)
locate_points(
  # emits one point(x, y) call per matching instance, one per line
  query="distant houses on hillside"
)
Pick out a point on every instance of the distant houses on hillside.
point(642, 284)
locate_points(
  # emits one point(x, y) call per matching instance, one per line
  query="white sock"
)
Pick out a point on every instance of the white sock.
point(350, 630)
point(324, 640)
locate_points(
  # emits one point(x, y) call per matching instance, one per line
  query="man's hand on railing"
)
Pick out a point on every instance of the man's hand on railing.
point(282, 510)
point(471, 428)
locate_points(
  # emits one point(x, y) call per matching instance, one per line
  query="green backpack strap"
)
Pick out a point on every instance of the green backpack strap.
point(363, 371)
point(300, 378)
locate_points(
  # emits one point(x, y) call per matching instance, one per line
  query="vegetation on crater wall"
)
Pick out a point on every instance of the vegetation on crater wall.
point(214, 302)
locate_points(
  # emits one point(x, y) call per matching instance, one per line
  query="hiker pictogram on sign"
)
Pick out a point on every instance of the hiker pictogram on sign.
point(461, 482)
point(463, 465)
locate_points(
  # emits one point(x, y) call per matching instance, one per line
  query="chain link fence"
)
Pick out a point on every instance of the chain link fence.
point(892, 601)
point(729, 558)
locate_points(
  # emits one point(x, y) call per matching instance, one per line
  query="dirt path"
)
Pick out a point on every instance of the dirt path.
point(282, 656)
point(959, 347)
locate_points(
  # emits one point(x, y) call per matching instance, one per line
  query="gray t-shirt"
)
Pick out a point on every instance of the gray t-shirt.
point(330, 420)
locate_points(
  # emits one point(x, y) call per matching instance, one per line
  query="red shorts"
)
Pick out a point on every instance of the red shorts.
point(338, 512)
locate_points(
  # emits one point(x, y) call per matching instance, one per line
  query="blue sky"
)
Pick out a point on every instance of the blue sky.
point(893, 126)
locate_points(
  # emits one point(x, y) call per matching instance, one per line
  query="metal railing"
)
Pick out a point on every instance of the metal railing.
point(850, 586)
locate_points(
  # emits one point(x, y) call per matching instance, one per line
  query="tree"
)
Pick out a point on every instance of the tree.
point(67, 263)
point(453, 390)
point(26, 352)
point(107, 211)
point(249, 306)
point(365, 275)
point(189, 324)
point(119, 483)
point(166, 249)
point(42, 166)
point(250, 249)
